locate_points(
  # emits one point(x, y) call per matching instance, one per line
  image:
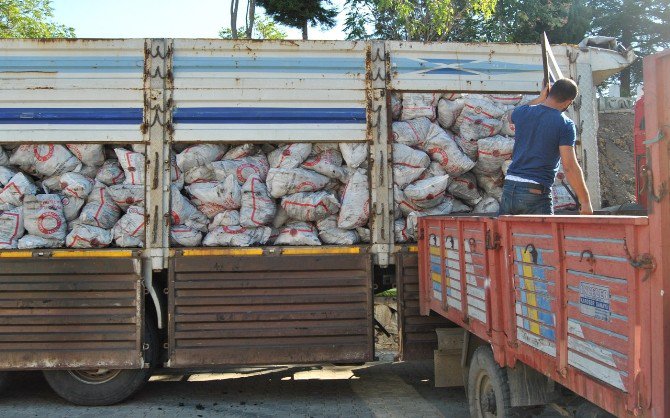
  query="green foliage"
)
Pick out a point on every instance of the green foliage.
point(415, 20)
point(643, 25)
point(264, 28)
point(523, 21)
point(301, 13)
point(30, 19)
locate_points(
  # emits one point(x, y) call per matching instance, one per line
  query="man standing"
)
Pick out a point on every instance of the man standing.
point(544, 135)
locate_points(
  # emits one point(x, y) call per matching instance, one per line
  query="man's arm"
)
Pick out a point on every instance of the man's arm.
point(542, 97)
point(575, 176)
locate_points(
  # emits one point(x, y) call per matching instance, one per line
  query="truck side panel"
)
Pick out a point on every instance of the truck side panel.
point(274, 309)
point(70, 313)
point(71, 91)
point(575, 299)
point(269, 92)
point(657, 131)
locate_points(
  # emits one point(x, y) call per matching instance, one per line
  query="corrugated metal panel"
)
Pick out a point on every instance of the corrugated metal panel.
point(270, 310)
point(269, 91)
point(418, 339)
point(469, 66)
point(71, 90)
point(70, 313)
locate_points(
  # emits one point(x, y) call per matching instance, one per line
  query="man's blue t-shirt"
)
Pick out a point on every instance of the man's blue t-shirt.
point(540, 130)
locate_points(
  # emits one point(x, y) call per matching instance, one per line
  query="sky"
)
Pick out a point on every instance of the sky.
point(161, 18)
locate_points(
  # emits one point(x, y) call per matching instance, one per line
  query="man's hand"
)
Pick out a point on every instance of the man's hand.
point(545, 92)
point(586, 209)
point(542, 97)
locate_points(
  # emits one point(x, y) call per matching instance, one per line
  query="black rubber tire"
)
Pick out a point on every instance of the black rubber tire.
point(4, 380)
point(122, 384)
point(488, 390)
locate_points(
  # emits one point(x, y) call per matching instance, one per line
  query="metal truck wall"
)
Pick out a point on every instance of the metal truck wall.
point(459, 255)
point(417, 332)
point(71, 90)
point(270, 91)
point(69, 313)
point(244, 307)
point(657, 130)
point(579, 295)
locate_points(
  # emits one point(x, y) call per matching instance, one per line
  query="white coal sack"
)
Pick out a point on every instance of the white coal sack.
point(241, 168)
point(284, 181)
point(442, 147)
point(215, 197)
point(310, 206)
point(354, 154)
point(199, 155)
point(185, 236)
point(355, 209)
point(133, 164)
point(258, 208)
point(11, 228)
point(88, 236)
point(298, 233)
point(43, 216)
point(237, 236)
point(290, 155)
point(111, 173)
point(14, 192)
point(129, 230)
point(76, 185)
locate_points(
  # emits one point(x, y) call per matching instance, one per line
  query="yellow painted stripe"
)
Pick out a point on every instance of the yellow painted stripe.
point(16, 254)
point(531, 300)
point(436, 277)
point(200, 252)
point(91, 253)
point(435, 251)
point(413, 249)
point(306, 251)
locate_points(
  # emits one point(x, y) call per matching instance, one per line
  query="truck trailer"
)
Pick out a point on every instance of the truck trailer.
point(99, 311)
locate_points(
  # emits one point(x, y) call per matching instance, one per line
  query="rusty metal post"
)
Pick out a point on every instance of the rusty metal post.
point(381, 179)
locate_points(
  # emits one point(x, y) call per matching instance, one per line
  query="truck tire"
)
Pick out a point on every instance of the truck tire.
point(4, 381)
point(488, 390)
point(105, 386)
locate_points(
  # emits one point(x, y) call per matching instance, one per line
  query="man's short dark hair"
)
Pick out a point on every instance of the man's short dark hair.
point(563, 89)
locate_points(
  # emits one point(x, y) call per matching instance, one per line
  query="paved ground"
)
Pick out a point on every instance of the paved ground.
point(380, 389)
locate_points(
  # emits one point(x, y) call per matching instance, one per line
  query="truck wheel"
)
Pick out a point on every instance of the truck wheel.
point(488, 391)
point(101, 387)
point(4, 381)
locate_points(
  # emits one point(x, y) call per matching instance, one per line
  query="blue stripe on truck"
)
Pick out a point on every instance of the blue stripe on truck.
point(95, 64)
point(293, 65)
point(267, 115)
point(90, 116)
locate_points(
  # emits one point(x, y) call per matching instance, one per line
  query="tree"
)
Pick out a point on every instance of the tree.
point(643, 25)
point(234, 7)
point(523, 21)
point(301, 13)
point(412, 20)
point(30, 19)
point(264, 28)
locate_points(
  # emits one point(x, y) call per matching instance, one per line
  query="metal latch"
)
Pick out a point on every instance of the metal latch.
point(642, 261)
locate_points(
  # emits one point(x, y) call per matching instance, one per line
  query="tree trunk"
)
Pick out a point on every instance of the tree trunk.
point(234, 5)
point(251, 15)
point(304, 30)
point(624, 76)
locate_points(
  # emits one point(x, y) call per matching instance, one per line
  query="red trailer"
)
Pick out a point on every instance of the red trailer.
point(573, 300)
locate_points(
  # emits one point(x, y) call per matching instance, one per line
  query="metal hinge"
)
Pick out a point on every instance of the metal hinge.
point(492, 240)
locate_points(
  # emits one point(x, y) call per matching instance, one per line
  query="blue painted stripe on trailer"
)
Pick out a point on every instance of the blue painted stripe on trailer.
point(73, 116)
point(295, 65)
point(108, 64)
point(443, 66)
point(268, 115)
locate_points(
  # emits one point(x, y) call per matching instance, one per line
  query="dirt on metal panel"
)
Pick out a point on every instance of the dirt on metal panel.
point(253, 310)
point(70, 313)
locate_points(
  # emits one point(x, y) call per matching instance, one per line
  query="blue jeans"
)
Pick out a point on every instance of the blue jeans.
point(521, 198)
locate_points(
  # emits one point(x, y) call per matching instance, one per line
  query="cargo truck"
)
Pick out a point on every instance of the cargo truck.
point(99, 321)
point(560, 301)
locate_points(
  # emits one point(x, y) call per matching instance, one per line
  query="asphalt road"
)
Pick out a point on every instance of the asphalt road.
point(380, 389)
